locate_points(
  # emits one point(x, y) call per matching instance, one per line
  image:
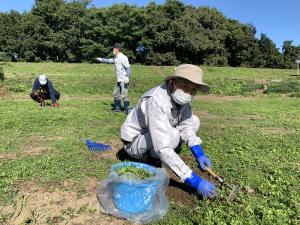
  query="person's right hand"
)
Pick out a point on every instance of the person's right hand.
point(99, 59)
point(203, 187)
point(35, 93)
point(207, 189)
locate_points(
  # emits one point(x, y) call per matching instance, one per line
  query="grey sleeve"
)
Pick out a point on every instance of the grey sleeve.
point(165, 139)
point(186, 129)
point(125, 62)
point(111, 60)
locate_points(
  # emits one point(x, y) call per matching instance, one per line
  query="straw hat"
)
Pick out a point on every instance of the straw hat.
point(192, 73)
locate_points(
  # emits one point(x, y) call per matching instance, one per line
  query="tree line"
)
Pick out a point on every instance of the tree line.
point(167, 34)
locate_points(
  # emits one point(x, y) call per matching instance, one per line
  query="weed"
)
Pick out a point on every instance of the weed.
point(138, 172)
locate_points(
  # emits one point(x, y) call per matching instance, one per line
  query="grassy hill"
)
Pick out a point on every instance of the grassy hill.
point(47, 175)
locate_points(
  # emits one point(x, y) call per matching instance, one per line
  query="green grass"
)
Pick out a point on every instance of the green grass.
point(253, 141)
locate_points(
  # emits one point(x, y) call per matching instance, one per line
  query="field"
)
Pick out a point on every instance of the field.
point(48, 176)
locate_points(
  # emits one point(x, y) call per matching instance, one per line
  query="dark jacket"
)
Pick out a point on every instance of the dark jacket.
point(36, 86)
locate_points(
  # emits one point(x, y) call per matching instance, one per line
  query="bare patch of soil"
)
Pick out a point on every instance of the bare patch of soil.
point(181, 193)
point(202, 114)
point(223, 98)
point(2, 91)
point(262, 81)
point(55, 204)
point(276, 130)
point(159, 70)
point(178, 192)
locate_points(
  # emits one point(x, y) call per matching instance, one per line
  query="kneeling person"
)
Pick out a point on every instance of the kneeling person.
point(163, 119)
point(42, 90)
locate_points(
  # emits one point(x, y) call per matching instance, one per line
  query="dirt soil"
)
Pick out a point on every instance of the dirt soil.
point(57, 204)
point(223, 98)
point(2, 91)
point(179, 192)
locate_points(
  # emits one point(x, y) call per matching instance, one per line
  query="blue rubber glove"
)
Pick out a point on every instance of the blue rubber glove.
point(203, 187)
point(202, 159)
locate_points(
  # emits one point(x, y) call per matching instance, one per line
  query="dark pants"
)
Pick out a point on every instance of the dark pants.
point(44, 96)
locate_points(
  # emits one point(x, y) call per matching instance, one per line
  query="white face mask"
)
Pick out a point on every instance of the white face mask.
point(181, 98)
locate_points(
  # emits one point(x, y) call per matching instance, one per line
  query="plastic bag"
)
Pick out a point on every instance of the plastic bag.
point(129, 197)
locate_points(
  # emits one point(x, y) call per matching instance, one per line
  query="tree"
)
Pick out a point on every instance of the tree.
point(165, 34)
point(239, 43)
point(290, 54)
point(269, 54)
point(10, 26)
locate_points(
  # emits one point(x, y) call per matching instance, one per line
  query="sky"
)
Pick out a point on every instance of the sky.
point(276, 18)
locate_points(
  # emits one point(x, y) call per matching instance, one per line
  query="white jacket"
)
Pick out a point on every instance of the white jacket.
point(156, 113)
point(121, 64)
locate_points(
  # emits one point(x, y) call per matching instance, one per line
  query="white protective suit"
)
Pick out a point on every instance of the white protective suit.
point(157, 126)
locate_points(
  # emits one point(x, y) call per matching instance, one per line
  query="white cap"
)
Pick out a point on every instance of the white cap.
point(43, 79)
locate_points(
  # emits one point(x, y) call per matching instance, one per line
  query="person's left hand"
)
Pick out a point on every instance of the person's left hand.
point(202, 159)
point(55, 104)
point(126, 80)
point(204, 162)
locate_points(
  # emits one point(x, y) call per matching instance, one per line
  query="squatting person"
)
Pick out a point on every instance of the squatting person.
point(123, 72)
point(163, 119)
point(43, 89)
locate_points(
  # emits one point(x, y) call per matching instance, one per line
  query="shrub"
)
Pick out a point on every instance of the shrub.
point(233, 87)
point(284, 87)
point(4, 57)
point(159, 59)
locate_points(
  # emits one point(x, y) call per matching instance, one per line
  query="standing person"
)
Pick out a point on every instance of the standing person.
point(163, 119)
point(43, 89)
point(123, 73)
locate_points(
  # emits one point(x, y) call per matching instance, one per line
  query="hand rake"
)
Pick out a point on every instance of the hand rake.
point(234, 188)
point(97, 147)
